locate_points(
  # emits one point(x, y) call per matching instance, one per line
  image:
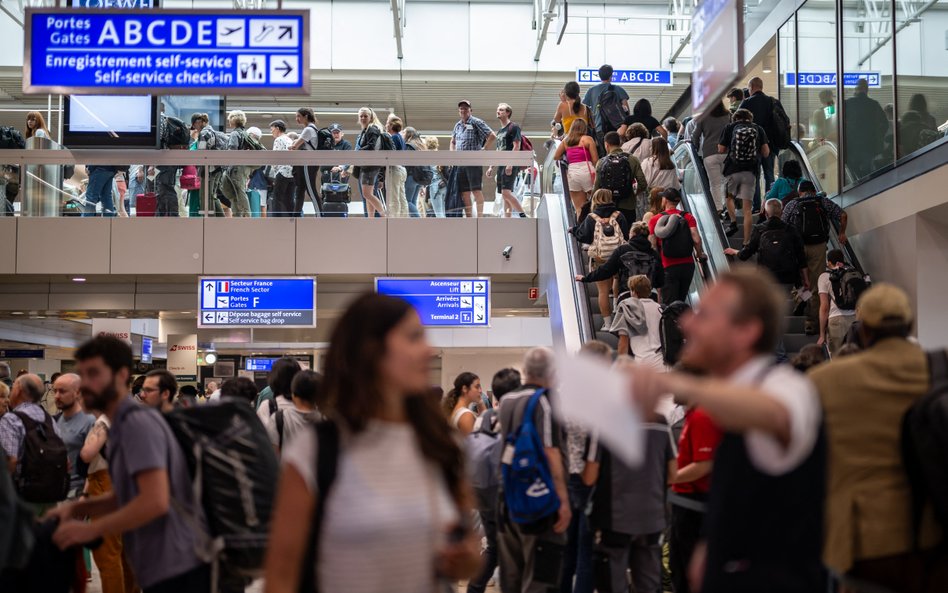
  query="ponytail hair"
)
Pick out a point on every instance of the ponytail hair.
point(571, 90)
point(450, 400)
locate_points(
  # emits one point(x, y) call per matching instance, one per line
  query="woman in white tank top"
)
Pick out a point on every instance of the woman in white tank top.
point(456, 404)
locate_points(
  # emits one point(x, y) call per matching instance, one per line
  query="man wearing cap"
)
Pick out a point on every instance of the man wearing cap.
point(471, 133)
point(865, 395)
point(338, 143)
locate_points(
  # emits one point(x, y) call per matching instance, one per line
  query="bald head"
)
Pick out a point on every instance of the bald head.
point(66, 393)
point(756, 84)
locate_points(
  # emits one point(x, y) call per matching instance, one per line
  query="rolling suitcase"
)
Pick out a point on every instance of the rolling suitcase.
point(336, 192)
point(335, 209)
point(146, 204)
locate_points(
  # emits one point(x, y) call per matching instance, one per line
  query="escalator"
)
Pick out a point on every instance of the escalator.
point(574, 308)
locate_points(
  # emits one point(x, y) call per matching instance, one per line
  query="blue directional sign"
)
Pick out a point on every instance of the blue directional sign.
point(828, 79)
point(627, 77)
point(147, 348)
point(258, 365)
point(40, 353)
point(256, 302)
point(74, 51)
point(443, 302)
point(127, 4)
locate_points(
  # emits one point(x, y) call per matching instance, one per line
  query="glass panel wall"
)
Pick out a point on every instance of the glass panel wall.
point(787, 65)
point(868, 88)
point(922, 101)
point(817, 90)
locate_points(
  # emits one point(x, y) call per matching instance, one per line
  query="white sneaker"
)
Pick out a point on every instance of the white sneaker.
point(606, 323)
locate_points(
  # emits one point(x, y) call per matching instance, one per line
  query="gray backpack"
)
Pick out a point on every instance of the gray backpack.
point(483, 449)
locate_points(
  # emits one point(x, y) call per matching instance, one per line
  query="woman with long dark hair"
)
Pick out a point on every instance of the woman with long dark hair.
point(659, 168)
point(395, 516)
point(456, 404)
point(580, 151)
point(571, 108)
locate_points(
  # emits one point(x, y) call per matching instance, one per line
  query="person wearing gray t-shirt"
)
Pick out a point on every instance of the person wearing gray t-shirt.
point(152, 485)
point(74, 425)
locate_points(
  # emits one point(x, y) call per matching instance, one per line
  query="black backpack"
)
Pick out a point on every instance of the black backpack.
point(11, 137)
point(609, 108)
point(811, 220)
point(616, 175)
point(743, 150)
point(174, 133)
point(779, 137)
point(44, 468)
point(422, 175)
point(925, 447)
point(848, 285)
point(776, 251)
point(673, 340)
point(680, 243)
point(635, 263)
point(323, 139)
point(235, 471)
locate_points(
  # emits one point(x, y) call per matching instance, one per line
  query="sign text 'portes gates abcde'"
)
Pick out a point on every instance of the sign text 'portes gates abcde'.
point(75, 51)
point(444, 302)
point(828, 79)
point(257, 302)
point(627, 77)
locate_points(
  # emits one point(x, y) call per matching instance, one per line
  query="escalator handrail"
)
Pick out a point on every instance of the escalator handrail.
point(685, 147)
point(847, 248)
point(587, 330)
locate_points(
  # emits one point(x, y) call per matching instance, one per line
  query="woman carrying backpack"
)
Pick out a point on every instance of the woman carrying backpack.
point(457, 402)
point(604, 230)
point(383, 481)
point(580, 151)
point(659, 168)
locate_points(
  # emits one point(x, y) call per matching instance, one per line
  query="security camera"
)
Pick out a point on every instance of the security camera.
point(507, 251)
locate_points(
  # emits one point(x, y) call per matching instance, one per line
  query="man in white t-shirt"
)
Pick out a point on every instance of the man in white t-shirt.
point(834, 322)
point(769, 470)
point(638, 322)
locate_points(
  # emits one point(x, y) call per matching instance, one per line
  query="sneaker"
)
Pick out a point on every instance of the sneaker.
point(731, 229)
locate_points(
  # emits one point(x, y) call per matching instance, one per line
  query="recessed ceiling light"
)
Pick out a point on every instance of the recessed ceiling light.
point(78, 279)
point(186, 312)
point(16, 313)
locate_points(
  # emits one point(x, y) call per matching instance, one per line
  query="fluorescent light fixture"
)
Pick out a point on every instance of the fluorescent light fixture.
point(78, 279)
point(16, 313)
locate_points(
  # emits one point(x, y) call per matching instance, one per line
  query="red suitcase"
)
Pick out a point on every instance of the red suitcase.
point(146, 204)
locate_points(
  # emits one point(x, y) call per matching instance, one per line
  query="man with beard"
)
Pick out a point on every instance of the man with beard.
point(159, 389)
point(764, 523)
point(74, 426)
point(148, 471)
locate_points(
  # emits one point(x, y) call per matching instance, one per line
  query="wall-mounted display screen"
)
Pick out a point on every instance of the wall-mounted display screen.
point(115, 121)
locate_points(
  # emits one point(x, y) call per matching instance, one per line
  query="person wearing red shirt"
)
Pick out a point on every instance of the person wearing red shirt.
point(680, 270)
point(690, 482)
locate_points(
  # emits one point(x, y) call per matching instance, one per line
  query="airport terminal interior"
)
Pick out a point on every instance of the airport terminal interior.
point(517, 296)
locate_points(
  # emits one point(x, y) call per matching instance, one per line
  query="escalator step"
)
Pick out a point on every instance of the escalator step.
point(796, 342)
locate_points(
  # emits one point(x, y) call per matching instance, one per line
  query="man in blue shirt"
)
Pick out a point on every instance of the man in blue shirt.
point(471, 133)
point(591, 100)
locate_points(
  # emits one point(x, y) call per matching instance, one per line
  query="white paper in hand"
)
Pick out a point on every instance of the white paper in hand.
point(594, 395)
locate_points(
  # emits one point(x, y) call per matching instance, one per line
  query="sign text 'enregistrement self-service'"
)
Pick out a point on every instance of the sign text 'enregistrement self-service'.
point(166, 52)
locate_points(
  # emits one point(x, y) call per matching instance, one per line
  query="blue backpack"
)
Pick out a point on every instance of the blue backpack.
point(529, 492)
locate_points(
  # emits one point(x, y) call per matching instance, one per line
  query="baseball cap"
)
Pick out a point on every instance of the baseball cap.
point(464, 102)
point(884, 303)
point(335, 127)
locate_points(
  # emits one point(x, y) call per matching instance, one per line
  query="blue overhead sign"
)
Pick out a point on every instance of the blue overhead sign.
point(23, 353)
point(148, 346)
point(126, 4)
point(444, 302)
point(258, 365)
point(828, 79)
point(73, 51)
point(257, 302)
point(627, 77)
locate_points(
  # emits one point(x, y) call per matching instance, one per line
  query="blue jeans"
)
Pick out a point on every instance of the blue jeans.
point(134, 188)
point(767, 164)
point(100, 191)
point(579, 546)
point(412, 188)
point(436, 195)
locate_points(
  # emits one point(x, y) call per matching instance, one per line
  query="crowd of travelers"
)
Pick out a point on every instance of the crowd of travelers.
point(283, 190)
point(753, 475)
